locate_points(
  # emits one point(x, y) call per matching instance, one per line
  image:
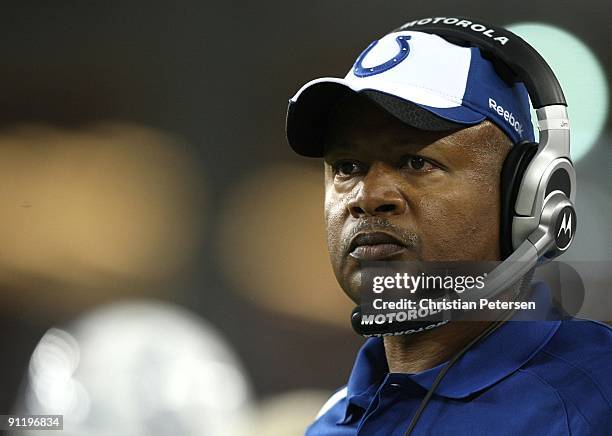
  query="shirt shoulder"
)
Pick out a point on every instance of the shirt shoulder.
point(575, 363)
point(330, 414)
point(584, 346)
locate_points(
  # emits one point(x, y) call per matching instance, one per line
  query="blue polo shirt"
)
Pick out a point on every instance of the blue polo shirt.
point(527, 378)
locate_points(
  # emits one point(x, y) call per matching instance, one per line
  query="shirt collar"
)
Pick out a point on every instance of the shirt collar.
point(502, 353)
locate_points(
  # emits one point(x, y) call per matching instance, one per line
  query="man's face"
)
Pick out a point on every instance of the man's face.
point(393, 192)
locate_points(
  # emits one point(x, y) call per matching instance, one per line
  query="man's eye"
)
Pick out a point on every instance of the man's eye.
point(347, 168)
point(417, 163)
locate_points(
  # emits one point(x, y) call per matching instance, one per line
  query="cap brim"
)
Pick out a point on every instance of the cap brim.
point(308, 113)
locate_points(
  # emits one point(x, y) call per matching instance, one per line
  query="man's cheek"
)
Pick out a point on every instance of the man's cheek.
point(334, 223)
point(336, 211)
point(445, 228)
point(333, 201)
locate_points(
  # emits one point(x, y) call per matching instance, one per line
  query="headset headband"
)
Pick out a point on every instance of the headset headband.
point(520, 57)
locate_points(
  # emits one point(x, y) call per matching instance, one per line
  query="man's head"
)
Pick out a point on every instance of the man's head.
point(394, 192)
point(413, 139)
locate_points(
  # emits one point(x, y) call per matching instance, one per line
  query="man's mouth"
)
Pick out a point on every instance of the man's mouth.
point(375, 246)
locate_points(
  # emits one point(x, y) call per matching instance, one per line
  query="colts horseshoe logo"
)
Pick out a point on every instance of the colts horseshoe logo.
point(360, 71)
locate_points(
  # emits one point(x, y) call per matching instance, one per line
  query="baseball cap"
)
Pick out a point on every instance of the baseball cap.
point(421, 79)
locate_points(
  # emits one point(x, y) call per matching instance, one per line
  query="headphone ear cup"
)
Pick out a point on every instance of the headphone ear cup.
point(513, 169)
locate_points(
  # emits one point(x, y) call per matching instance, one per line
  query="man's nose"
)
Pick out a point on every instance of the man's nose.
point(378, 194)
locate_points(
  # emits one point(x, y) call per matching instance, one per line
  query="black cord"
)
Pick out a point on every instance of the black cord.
point(486, 332)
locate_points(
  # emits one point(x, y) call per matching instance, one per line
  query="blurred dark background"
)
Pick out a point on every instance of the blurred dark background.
point(143, 158)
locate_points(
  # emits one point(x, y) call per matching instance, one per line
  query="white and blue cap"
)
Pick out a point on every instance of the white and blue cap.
point(423, 80)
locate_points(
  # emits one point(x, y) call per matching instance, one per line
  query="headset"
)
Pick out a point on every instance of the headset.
point(538, 180)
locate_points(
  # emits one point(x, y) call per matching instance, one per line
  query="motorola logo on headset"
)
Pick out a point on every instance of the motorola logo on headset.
point(565, 227)
point(467, 24)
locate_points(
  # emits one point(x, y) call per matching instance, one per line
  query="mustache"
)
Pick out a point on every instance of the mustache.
point(379, 224)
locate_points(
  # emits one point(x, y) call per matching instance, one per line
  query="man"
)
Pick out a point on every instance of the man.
point(413, 145)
